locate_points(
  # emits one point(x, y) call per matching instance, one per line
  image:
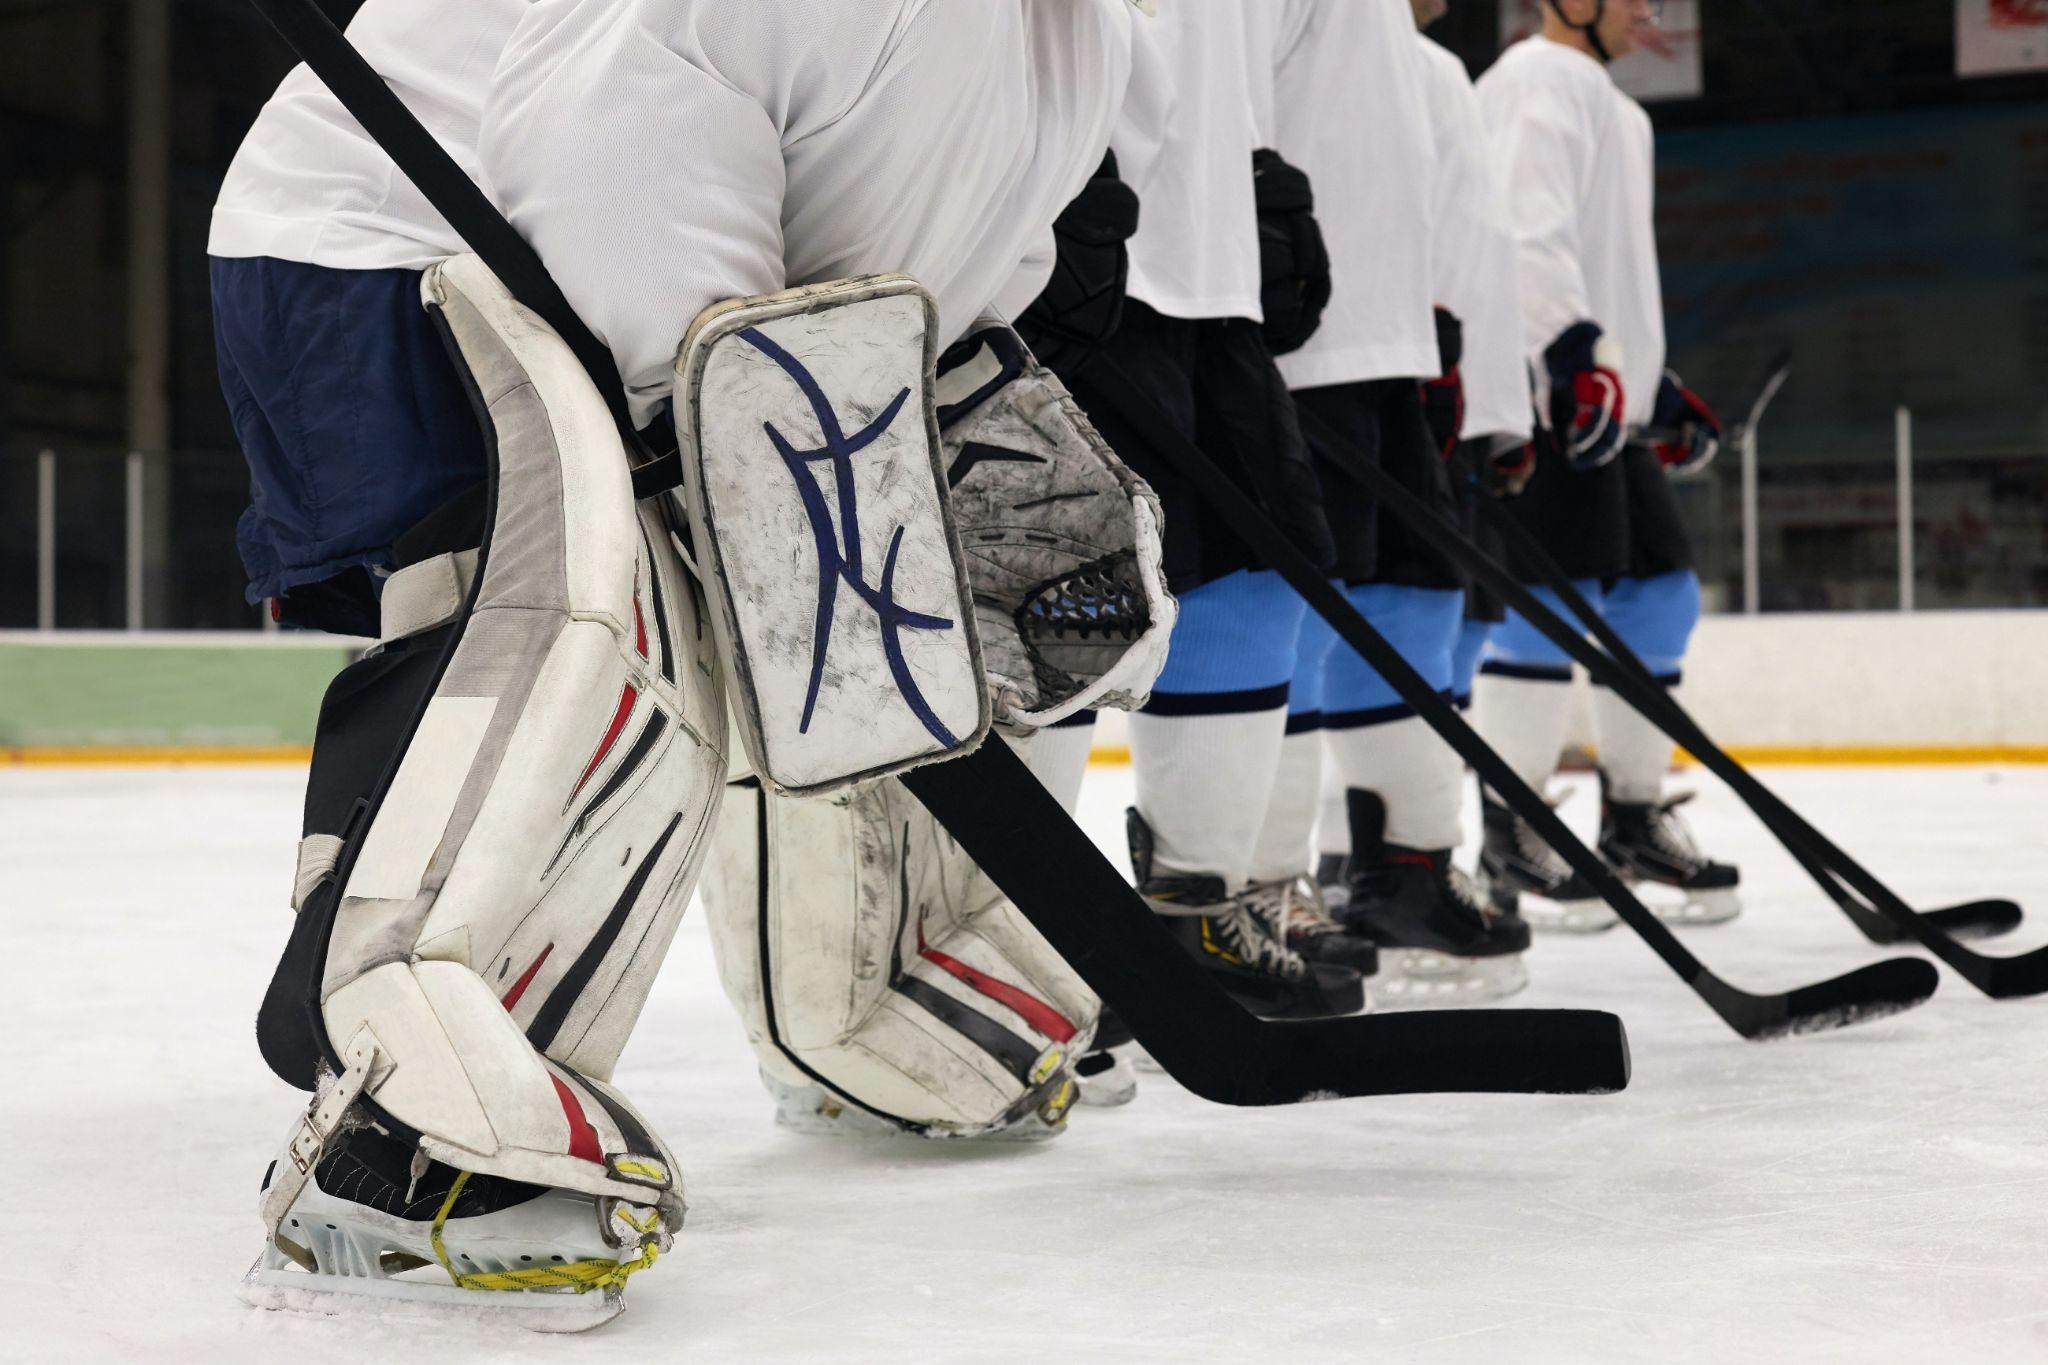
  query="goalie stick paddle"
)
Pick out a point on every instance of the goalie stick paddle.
point(1999, 977)
point(1005, 819)
point(1870, 992)
point(1892, 920)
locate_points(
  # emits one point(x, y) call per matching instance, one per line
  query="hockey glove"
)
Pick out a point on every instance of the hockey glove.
point(1294, 266)
point(1587, 407)
point(1688, 435)
point(1507, 470)
point(1083, 302)
point(1443, 398)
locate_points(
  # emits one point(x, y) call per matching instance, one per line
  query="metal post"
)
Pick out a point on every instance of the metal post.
point(46, 540)
point(151, 116)
point(1905, 472)
point(1751, 535)
point(135, 546)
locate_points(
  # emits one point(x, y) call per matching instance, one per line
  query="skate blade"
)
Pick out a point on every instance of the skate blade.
point(1567, 917)
point(1419, 978)
point(291, 1290)
point(1699, 907)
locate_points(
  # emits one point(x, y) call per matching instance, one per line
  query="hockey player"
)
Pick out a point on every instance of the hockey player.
point(511, 797)
point(1348, 66)
point(1480, 412)
point(1579, 161)
point(1194, 341)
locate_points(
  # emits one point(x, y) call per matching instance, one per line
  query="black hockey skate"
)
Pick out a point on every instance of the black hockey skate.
point(1650, 842)
point(1254, 967)
point(1526, 877)
point(1293, 911)
point(1440, 941)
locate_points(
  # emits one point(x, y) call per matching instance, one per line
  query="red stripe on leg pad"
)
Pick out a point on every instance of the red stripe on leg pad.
point(582, 1137)
point(525, 980)
point(639, 626)
point(611, 735)
point(1029, 1008)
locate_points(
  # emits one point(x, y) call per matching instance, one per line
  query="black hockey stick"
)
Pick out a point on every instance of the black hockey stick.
point(1869, 992)
point(1998, 977)
point(1007, 822)
point(1977, 919)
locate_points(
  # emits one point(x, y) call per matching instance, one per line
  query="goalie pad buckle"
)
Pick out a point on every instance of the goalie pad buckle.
point(819, 517)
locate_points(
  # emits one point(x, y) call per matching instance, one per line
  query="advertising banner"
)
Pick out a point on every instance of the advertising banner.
point(1994, 36)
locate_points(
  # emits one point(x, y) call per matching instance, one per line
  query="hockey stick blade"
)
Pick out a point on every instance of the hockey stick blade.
point(1738, 1008)
point(1088, 912)
point(1873, 992)
point(2001, 978)
point(1973, 921)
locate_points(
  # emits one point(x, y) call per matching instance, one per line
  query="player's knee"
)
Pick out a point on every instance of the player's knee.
point(1656, 617)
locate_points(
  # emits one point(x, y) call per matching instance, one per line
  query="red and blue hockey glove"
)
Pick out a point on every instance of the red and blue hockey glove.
point(1588, 409)
point(1688, 435)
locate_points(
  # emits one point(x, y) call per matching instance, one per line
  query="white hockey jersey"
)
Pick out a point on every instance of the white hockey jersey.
point(1578, 158)
point(1349, 109)
point(1184, 142)
point(663, 155)
point(1476, 271)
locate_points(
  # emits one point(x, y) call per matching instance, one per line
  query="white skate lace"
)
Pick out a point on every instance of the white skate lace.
point(1245, 929)
point(1673, 838)
point(1289, 907)
point(1465, 892)
point(1542, 859)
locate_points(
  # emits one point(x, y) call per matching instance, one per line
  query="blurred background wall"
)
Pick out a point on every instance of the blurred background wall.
point(1828, 182)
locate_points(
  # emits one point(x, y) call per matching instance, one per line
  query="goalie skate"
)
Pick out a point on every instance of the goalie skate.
point(423, 1240)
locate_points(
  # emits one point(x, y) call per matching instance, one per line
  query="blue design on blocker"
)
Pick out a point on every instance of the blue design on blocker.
point(837, 564)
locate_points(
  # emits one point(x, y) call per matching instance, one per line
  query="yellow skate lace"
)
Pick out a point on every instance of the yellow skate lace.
point(578, 1277)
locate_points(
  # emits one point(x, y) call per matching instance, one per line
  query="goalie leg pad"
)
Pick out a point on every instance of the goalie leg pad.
point(874, 964)
point(485, 897)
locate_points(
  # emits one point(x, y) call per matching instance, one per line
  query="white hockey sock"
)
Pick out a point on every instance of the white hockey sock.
point(1286, 845)
point(1415, 773)
point(1525, 719)
point(1333, 831)
point(1634, 754)
point(1202, 783)
point(1059, 760)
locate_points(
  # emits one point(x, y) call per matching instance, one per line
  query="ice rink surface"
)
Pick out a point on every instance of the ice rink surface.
point(1879, 1194)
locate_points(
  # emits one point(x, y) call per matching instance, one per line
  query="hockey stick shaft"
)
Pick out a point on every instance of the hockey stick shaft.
point(1618, 669)
point(1654, 702)
point(1003, 816)
point(1750, 1015)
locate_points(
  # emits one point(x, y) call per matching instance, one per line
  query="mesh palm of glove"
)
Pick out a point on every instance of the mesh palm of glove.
point(1443, 398)
point(1687, 435)
point(1588, 410)
point(1294, 266)
point(1083, 303)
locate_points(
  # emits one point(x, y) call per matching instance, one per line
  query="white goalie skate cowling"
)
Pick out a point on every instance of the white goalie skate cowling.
point(879, 972)
point(820, 523)
point(494, 926)
point(1062, 540)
